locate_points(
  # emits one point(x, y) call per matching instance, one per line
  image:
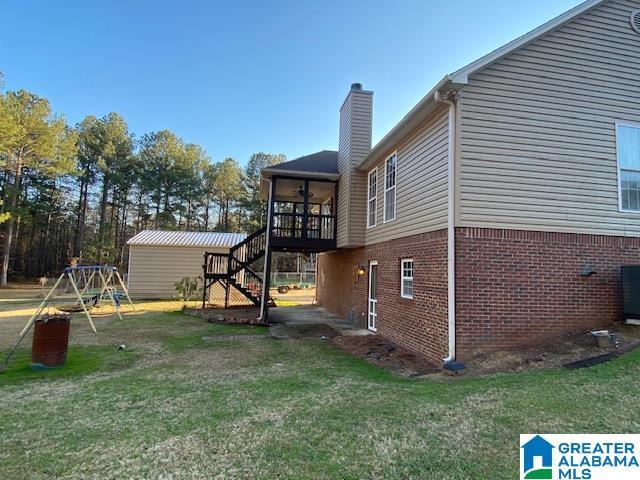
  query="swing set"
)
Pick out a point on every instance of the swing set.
point(78, 289)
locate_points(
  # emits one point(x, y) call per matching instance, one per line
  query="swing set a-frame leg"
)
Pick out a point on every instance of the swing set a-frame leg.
point(108, 290)
point(86, 282)
point(124, 289)
point(84, 308)
point(41, 307)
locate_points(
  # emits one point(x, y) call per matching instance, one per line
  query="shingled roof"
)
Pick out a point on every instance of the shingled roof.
point(325, 161)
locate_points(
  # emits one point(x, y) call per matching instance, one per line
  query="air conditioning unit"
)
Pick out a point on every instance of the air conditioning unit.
point(630, 276)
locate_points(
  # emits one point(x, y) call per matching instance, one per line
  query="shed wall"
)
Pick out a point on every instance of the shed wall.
point(153, 270)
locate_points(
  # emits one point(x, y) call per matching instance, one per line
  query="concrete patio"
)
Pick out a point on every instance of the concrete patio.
point(310, 321)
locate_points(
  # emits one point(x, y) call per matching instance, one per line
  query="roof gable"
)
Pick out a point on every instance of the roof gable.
point(462, 75)
point(458, 79)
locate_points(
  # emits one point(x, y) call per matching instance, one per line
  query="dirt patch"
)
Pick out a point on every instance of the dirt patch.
point(571, 351)
point(228, 316)
point(386, 354)
point(284, 331)
point(554, 353)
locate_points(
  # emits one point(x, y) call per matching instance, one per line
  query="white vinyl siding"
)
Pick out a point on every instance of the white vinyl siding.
point(406, 278)
point(372, 201)
point(390, 166)
point(538, 129)
point(628, 141)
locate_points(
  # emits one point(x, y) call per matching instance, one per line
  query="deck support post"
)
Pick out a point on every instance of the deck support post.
point(266, 281)
point(305, 211)
point(204, 281)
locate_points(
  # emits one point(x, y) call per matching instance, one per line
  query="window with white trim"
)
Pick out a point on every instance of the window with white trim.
point(390, 166)
point(406, 278)
point(372, 204)
point(628, 140)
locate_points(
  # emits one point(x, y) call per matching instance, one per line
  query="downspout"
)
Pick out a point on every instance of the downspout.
point(265, 271)
point(451, 231)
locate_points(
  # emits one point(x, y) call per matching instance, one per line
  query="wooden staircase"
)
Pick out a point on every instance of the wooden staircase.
point(233, 269)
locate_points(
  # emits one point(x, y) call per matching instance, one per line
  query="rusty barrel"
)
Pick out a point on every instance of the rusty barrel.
point(50, 341)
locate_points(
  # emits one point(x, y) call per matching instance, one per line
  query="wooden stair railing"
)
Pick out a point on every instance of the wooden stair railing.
point(233, 268)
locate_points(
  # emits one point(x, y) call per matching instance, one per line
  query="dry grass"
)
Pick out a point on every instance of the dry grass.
point(177, 407)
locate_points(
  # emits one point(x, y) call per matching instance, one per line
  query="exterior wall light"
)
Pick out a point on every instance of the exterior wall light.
point(358, 271)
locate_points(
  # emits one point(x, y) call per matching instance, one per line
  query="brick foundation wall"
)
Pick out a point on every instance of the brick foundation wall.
point(519, 287)
point(419, 324)
point(513, 287)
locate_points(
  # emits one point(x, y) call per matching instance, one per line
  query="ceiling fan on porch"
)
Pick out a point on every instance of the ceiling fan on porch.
point(300, 192)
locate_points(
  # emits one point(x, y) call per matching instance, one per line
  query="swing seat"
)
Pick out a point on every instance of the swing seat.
point(73, 308)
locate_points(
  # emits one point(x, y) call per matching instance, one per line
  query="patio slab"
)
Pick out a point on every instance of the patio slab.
point(307, 321)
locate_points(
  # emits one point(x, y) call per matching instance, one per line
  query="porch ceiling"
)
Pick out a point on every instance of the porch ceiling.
point(287, 190)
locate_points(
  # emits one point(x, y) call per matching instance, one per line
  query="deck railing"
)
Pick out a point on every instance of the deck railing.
point(216, 263)
point(292, 225)
point(248, 251)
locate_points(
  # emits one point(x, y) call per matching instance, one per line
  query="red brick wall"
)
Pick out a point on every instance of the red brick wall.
point(519, 287)
point(513, 287)
point(419, 324)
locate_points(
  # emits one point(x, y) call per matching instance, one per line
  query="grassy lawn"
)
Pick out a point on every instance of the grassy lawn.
point(174, 406)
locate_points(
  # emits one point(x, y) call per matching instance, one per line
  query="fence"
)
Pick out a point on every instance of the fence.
point(293, 278)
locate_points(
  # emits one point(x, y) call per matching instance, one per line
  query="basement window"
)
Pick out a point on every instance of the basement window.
point(372, 204)
point(390, 166)
point(628, 143)
point(406, 278)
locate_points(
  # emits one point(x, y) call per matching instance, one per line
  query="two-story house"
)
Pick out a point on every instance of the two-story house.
point(498, 211)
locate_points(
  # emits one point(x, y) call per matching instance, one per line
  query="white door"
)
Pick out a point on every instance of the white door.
point(373, 296)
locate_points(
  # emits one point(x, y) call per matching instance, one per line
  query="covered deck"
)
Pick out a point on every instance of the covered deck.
point(302, 197)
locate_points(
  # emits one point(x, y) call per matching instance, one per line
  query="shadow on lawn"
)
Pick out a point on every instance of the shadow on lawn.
point(80, 361)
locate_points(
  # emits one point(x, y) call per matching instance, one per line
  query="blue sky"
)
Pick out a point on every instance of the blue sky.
point(244, 76)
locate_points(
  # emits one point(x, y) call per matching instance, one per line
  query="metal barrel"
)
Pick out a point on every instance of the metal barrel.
point(50, 341)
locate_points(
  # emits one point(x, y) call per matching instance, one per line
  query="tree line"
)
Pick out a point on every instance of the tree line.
point(82, 191)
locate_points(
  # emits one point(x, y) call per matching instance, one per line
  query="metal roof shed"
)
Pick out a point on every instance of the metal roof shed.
point(158, 259)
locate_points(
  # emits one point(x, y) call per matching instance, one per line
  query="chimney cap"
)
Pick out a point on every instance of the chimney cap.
point(356, 86)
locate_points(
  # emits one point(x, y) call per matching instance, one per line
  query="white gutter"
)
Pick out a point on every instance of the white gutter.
point(451, 230)
point(265, 270)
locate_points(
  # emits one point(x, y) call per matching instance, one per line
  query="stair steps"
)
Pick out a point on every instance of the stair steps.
point(233, 269)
